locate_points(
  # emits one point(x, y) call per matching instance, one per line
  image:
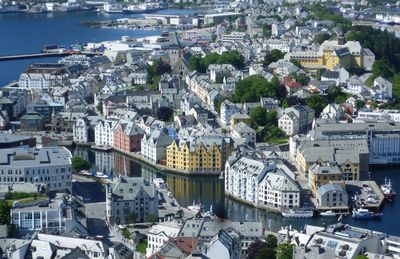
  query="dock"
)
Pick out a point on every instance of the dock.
point(46, 55)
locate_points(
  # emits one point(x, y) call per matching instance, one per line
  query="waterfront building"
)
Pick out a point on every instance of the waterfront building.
point(81, 130)
point(48, 215)
point(130, 200)
point(104, 133)
point(159, 234)
point(261, 183)
point(205, 154)
point(128, 136)
point(320, 174)
point(50, 166)
point(154, 145)
point(332, 196)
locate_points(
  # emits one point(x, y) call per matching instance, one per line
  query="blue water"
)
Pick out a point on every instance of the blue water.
point(28, 33)
point(210, 190)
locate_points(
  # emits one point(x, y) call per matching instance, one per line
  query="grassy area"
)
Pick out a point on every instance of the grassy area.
point(141, 247)
point(278, 141)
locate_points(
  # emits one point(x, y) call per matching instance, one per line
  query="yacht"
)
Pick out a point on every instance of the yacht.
point(365, 214)
point(159, 183)
point(300, 213)
point(328, 213)
point(101, 175)
point(387, 189)
point(195, 207)
point(132, 9)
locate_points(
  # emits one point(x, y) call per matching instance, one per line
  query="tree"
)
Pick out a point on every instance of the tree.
point(259, 115)
point(382, 68)
point(359, 104)
point(126, 233)
point(273, 56)
point(316, 102)
point(320, 38)
point(271, 241)
point(161, 68)
point(272, 117)
point(252, 88)
point(361, 257)
point(78, 164)
point(197, 63)
point(260, 250)
point(284, 251)
point(164, 113)
point(334, 92)
point(131, 218)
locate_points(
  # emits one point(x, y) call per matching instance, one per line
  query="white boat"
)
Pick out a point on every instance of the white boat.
point(85, 172)
point(365, 214)
point(300, 213)
point(159, 183)
point(101, 175)
point(210, 212)
point(328, 213)
point(130, 9)
point(387, 189)
point(195, 207)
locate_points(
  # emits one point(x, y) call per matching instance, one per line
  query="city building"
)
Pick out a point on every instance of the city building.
point(81, 130)
point(228, 109)
point(289, 123)
point(320, 174)
point(154, 145)
point(104, 133)
point(130, 200)
point(332, 196)
point(159, 234)
point(206, 154)
point(128, 136)
point(242, 130)
point(62, 214)
point(50, 166)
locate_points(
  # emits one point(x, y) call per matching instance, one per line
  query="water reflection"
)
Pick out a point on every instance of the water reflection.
point(210, 191)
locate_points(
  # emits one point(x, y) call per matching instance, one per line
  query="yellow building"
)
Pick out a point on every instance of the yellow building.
point(330, 54)
point(203, 154)
point(319, 174)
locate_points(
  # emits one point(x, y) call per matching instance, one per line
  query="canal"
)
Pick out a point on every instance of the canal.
point(210, 191)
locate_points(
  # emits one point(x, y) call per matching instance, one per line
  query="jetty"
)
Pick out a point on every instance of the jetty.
point(47, 54)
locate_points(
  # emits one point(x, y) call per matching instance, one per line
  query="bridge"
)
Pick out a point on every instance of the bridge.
point(47, 54)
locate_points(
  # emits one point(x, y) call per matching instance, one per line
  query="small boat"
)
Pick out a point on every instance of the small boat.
point(159, 183)
point(328, 213)
point(85, 172)
point(210, 212)
point(102, 148)
point(101, 175)
point(299, 213)
point(195, 207)
point(387, 189)
point(365, 214)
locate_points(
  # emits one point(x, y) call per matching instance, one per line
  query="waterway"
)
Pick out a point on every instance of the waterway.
point(210, 191)
point(22, 33)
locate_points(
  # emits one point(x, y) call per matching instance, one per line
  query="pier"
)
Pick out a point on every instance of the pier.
point(47, 55)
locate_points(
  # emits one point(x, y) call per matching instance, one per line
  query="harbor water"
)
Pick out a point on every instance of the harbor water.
point(210, 191)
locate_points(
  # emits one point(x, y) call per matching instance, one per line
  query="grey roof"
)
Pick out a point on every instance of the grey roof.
point(159, 138)
point(321, 169)
point(128, 187)
point(31, 157)
point(245, 229)
point(331, 74)
point(242, 127)
point(335, 187)
point(7, 138)
point(279, 180)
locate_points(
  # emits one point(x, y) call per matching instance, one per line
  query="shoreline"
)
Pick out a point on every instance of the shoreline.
point(164, 169)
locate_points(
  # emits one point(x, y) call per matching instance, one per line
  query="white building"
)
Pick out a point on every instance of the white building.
point(384, 115)
point(159, 234)
point(234, 37)
point(104, 133)
point(383, 88)
point(289, 123)
point(280, 190)
point(219, 71)
point(154, 145)
point(227, 110)
point(47, 215)
point(81, 131)
point(354, 85)
point(242, 130)
point(50, 166)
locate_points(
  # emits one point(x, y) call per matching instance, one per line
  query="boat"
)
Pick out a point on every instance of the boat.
point(132, 9)
point(328, 213)
point(365, 214)
point(299, 213)
point(113, 8)
point(159, 183)
point(101, 175)
point(195, 207)
point(102, 148)
point(9, 8)
point(85, 172)
point(387, 189)
point(210, 212)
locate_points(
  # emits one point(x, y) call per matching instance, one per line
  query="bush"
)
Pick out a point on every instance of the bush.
point(78, 163)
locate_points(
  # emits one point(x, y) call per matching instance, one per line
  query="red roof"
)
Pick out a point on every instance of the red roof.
point(290, 83)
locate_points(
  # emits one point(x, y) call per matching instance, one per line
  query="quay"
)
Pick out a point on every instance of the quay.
point(47, 55)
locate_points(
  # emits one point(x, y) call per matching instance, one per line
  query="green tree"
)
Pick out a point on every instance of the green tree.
point(320, 38)
point(197, 63)
point(271, 241)
point(272, 117)
point(273, 56)
point(217, 104)
point(382, 68)
point(259, 115)
point(164, 113)
point(260, 250)
point(252, 88)
point(316, 102)
point(359, 104)
point(126, 233)
point(361, 257)
point(284, 251)
point(78, 163)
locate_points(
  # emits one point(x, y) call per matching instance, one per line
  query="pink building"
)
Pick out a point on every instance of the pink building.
point(128, 136)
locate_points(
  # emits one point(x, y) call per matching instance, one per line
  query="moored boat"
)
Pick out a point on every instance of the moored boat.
point(299, 213)
point(365, 214)
point(387, 189)
point(328, 213)
point(195, 207)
